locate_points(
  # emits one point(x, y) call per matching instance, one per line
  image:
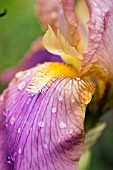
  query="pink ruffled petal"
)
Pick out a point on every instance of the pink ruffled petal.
point(61, 16)
point(69, 12)
point(98, 58)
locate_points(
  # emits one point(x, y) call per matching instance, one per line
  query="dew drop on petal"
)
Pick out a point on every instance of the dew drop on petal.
point(19, 130)
point(72, 100)
point(54, 110)
point(41, 124)
point(12, 121)
point(8, 159)
point(70, 131)
point(78, 78)
point(62, 125)
point(70, 81)
point(59, 140)
point(6, 124)
point(19, 74)
point(28, 72)
point(5, 112)
point(95, 4)
point(2, 98)
point(45, 146)
point(60, 98)
point(21, 85)
point(103, 14)
point(13, 157)
point(31, 129)
point(19, 150)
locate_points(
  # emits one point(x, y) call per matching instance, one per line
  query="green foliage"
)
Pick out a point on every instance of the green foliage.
point(18, 29)
point(85, 160)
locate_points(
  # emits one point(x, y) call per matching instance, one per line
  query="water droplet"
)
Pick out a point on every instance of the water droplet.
point(78, 78)
point(95, 4)
point(54, 110)
point(62, 125)
point(28, 72)
point(60, 98)
point(13, 157)
point(72, 100)
point(103, 14)
point(6, 124)
point(19, 150)
point(19, 130)
point(2, 98)
point(45, 146)
point(31, 129)
point(70, 131)
point(5, 112)
point(41, 124)
point(21, 85)
point(12, 121)
point(59, 140)
point(70, 81)
point(19, 74)
point(8, 159)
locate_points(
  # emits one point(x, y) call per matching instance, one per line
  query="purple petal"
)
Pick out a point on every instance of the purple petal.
point(98, 58)
point(36, 55)
point(44, 131)
point(3, 134)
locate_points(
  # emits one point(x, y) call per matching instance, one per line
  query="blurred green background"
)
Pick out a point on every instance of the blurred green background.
point(18, 29)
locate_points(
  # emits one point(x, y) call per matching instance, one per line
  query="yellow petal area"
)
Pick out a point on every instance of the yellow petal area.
point(86, 89)
point(46, 73)
point(56, 44)
point(82, 13)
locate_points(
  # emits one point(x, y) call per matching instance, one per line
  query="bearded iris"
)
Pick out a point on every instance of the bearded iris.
point(42, 111)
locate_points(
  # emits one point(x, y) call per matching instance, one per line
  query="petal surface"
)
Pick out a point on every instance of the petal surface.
point(56, 44)
point(59, 14)
point(98, 58)
point(45, 130)
point(36, 55)
point(3, 134)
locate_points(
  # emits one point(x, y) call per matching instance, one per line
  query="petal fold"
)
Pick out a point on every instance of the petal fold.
point(98, 58)
point(56, 44)
point(60, 14)
point(44, 130)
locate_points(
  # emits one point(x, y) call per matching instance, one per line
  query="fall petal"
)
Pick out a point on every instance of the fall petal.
point(3, 134)
point(98, 58)
point(36, 55)
point(44, 130)
point(59, 14)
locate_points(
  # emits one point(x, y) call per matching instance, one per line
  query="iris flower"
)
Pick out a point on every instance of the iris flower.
point(43, 109)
